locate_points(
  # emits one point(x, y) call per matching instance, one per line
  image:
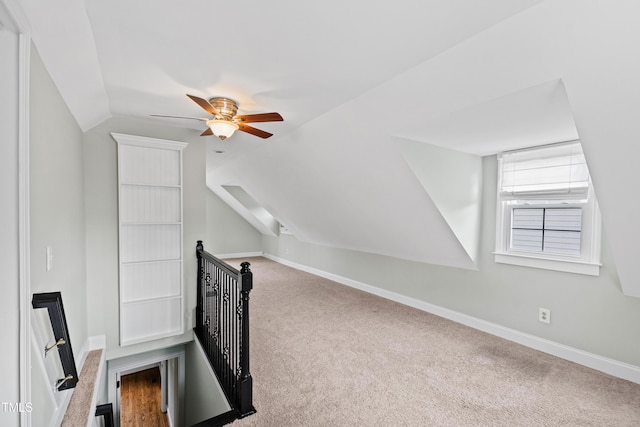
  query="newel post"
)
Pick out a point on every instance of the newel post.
point(199, 294)
point(245, 383)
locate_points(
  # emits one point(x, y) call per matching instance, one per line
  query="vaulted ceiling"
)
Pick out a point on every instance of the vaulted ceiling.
point(376, 97)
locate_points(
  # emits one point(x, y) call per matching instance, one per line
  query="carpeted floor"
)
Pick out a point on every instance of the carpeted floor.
point(80, 409)
point(323, 354)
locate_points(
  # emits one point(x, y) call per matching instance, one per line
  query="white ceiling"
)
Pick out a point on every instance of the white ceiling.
point(298, 58)
point(349, 78)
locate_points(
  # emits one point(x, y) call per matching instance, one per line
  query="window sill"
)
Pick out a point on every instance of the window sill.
point(578, 267)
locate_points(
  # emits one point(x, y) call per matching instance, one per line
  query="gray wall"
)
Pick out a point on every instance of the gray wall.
point(204, 398)
point(57, 201)
point(588, 313)
point(206, 218)
point(101, 201)
point(57, 211)
point(227, 232)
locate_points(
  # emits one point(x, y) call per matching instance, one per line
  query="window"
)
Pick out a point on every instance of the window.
point(548, 216)
point(546, 230)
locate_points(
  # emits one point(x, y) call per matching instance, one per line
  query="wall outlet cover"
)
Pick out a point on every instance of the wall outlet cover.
point(544, 315)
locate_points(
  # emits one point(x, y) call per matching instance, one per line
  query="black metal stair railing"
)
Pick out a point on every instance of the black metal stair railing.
point(222, 326)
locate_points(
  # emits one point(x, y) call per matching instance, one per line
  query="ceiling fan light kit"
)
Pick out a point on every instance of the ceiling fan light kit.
point(225, 121)
point(223, 129)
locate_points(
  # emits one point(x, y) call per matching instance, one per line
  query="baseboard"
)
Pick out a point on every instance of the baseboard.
point(169, 417)
point(239, 255)
point(97, 341)
point(58, 416)
point(609, 366)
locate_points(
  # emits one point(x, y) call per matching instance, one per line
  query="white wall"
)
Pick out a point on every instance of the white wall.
point(588, 313)
point(585, 49)
point(603, 88)
point(453, 180)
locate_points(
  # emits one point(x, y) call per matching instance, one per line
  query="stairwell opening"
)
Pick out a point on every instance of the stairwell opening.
point(133, 382)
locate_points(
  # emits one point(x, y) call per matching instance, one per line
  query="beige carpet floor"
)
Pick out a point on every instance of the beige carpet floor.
point(80, 409)
point(323, 354)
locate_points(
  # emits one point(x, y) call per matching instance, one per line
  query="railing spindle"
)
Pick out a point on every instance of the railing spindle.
point(222, 325)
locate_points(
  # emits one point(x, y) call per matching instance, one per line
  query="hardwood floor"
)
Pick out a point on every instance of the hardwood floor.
point(140, 400)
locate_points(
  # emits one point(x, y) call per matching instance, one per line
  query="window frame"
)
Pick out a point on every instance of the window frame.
point(589, 260)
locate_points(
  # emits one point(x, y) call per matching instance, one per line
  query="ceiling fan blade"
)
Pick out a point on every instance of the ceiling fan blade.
point(180, 117)
point(205, 105)
point(255, 118)
point(254, 131)
point(207, 132)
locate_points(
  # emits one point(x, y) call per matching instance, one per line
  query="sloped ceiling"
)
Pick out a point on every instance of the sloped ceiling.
point(352, 80)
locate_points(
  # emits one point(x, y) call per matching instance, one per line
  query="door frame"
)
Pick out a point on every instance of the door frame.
point(142, 362)
point(19, 26)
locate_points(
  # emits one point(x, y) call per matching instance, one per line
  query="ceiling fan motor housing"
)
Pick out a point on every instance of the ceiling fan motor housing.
point(225, 106)
point(225, 122)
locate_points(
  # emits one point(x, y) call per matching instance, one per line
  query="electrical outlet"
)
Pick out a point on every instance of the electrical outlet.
point(544, 315)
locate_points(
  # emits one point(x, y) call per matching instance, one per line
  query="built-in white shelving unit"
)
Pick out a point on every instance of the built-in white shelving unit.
point(150, 222)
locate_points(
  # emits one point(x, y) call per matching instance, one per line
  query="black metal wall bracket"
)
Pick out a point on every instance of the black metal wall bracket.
point(105, 411)
point(52, 301)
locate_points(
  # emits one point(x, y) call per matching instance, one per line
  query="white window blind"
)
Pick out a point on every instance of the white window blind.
point(553, 169)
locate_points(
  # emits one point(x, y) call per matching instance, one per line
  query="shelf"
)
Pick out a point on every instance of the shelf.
point(154, 261)
point(158, 336)
point(151, 261)
point(150, 219)
point(125, 224)
point(136, 184)
point(150, 300)
point(146, 320)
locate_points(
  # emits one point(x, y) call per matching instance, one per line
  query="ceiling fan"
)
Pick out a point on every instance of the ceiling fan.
point(224, 121)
